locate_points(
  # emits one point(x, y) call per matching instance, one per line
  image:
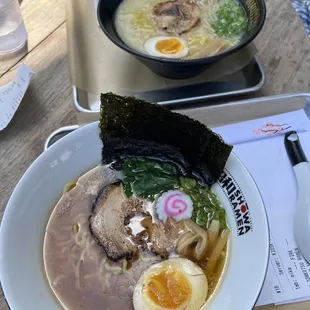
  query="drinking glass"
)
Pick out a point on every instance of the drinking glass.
point(13, 34)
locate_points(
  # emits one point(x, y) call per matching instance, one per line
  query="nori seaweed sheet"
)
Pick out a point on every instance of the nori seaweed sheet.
point(131, 118)
point(116, 149)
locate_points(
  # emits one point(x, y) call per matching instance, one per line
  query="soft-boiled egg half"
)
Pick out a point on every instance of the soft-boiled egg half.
point(168, 47)
point(176, 283)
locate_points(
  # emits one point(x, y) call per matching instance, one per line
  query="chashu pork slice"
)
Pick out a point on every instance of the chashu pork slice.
point(107, 224)
point(176, 16)
point(163, 237)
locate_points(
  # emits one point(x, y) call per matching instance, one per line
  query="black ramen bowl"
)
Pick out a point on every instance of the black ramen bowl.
point(178, 68)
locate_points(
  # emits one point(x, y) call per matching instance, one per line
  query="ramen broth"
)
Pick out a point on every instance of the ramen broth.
point(78, 270)
point(212, 27)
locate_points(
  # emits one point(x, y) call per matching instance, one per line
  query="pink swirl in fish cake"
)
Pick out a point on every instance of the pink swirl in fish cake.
point(174, 204)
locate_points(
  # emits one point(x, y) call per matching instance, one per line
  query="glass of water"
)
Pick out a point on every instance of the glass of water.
point(13, 34)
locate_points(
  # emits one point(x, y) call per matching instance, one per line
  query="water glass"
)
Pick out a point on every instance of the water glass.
point(13, 34)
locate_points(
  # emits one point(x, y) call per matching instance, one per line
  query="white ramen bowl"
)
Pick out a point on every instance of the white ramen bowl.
point(21, 236)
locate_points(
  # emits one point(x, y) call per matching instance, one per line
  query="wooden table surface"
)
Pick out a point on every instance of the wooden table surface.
point(283, 50)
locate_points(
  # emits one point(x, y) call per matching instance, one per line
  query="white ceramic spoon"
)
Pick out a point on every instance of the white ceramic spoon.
point(301, 168)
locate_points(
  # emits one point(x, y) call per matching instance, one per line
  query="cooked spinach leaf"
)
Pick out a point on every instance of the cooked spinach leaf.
point(147, 179)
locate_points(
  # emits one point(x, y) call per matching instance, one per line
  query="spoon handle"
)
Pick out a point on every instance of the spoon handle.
point(294, 149)
point(301, 168)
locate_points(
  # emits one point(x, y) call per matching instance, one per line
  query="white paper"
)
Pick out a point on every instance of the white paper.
point(290, 272)
point(293, 301)
point(288, 275)
point(12, 94)
point(264, 127)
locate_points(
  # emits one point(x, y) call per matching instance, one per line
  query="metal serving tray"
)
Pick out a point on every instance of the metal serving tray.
point(216, 115)
point(250, 79)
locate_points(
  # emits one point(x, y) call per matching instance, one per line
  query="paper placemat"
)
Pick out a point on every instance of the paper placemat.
point(260, 146)
point(97, 65)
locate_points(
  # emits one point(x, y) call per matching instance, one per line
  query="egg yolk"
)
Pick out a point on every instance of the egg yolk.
point(169, 46)
point(168, 289)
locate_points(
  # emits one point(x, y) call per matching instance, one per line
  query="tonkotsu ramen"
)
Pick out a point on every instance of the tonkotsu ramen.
point(143, 229)
point(181, 29)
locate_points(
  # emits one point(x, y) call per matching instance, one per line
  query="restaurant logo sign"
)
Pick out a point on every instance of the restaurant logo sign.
point(237, 202)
